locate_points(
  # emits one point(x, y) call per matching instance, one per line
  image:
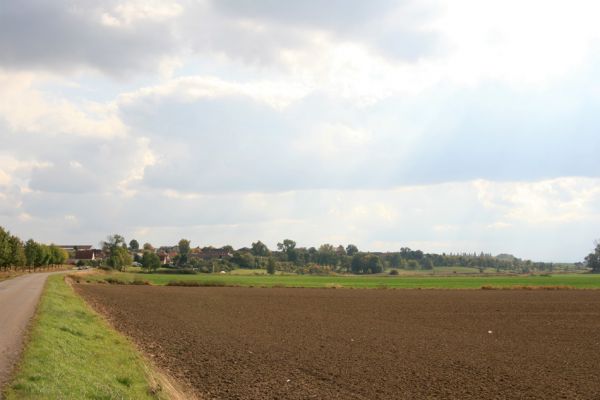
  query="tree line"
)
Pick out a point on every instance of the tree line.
point(16, 255)
point(286, 257)
point(328, 258)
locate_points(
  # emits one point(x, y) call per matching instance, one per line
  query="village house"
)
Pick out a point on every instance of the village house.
point(88, 255)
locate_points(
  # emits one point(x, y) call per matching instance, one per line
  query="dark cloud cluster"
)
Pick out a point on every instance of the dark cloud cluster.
point(67, 35)
point(63, 35)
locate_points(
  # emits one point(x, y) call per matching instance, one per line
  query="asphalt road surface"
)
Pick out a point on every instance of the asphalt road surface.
point(18, 300)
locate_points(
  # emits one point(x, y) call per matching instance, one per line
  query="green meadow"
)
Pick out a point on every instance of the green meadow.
point(576, 281)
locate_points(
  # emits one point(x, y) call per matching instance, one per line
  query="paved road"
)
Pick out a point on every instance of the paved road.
point(18, 299)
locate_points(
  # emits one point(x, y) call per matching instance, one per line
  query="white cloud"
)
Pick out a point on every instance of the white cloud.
point(26, 108)
point(568, 199)
point(278, 95)
point(529, 41)
point(127, 13)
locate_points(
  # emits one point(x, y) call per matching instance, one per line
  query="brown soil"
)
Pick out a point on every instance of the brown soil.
point(253, 343)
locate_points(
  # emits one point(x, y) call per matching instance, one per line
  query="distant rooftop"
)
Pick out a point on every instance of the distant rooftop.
point(74, 246)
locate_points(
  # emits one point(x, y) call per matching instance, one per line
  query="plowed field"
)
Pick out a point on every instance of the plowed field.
point(257, 343)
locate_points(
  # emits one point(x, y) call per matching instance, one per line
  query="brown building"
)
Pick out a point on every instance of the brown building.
point(89, 255)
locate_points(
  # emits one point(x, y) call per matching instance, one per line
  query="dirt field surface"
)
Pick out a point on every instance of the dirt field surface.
point(256, 343)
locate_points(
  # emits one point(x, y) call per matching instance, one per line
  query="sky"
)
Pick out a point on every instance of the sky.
point(445, 126)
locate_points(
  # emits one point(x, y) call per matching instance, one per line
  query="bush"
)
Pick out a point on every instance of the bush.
point(180, 271)
point(196, 283)
point(315, 269)
point(113, 281)
point(394, 272)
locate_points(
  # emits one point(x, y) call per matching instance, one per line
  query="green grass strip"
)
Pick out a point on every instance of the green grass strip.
point(575, 281)
point(74, 354)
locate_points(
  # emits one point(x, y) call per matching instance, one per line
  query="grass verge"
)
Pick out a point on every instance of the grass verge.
point(73, 354)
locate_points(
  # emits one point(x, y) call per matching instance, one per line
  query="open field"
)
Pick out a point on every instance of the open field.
point(257, 343)
point(73, 354)
point(578, 281)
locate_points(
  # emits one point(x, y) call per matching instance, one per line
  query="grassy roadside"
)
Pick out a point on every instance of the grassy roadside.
point(74, 354)
point(575, 281)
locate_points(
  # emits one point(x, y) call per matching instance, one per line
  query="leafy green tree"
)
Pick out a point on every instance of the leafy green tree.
point(150, 261)
point(427, 264)
point(58, 256)
point(593, 259)
point(271, 266)
point(119, 258)
point(148, 247)
point(134, 245)
point(260, 249)
point(32, 253)
point(351, 250)
point(5, 248)
point(373, 264)
point(395, 260)
point(327, 255)
point(288, 247)
point(357, 264)
point(243, 259)
point(44, 256)
point(412, 264)
point(117, 255)
point(346, 263)
point(184, 251)
point(17, 252)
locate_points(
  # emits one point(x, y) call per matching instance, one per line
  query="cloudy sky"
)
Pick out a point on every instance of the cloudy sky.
point(461, 125)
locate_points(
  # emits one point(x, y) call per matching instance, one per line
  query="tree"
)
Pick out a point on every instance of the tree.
point(5, 249)
point(366, 264)
point(58, 256)
point(357, 263)
point(288, 247)
point(260, 249)
point(134, 245)
point(327, 255)
point(117, 256)
point(593, 259)
point(148, 247)
point(373, 264)
point(426, 263)
point(271, 266)
point(32, 253)
point(150, 261)
point(17, 252)
point(351, 249)
point(184, 251)
point(243, 259)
